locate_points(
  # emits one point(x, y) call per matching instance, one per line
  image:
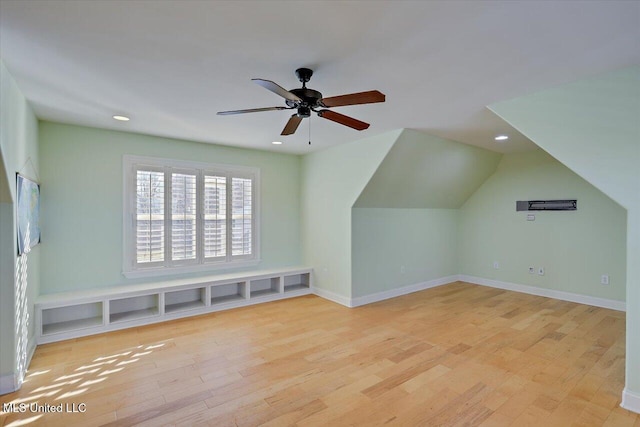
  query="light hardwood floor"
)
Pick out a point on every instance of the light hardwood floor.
point(459, 354)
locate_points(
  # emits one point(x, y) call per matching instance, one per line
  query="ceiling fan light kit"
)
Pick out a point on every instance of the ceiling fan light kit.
point(305, 101)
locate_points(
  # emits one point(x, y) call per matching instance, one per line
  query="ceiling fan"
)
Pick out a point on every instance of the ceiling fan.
point(306, 100)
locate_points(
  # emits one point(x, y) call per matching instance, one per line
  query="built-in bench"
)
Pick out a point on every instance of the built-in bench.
point(74, 314)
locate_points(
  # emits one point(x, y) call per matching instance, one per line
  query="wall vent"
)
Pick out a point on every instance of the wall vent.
point(546, 205)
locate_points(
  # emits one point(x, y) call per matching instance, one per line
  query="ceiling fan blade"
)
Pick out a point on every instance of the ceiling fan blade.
point(343, 120)
point(277, 89)
point(369, 97)
point(291, 125)
point(251, 110)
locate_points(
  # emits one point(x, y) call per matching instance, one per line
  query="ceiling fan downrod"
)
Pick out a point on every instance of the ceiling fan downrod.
point(304, 75)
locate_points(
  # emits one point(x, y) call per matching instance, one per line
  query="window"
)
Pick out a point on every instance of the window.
point(186, 216)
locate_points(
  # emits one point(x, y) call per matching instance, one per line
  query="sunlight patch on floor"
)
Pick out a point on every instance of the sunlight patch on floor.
point(24, 421)
point(64, 387)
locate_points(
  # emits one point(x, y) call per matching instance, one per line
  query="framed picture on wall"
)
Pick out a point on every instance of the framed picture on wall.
point(28, 213)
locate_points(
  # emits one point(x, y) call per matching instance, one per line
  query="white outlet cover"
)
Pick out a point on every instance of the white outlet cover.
point(496, 265)
point(604, 279)
point(541, 271)
point(531, 217)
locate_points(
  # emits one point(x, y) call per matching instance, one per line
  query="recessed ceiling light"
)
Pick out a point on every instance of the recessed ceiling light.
point(501, 137)
point(121, 118)
point(277, 142)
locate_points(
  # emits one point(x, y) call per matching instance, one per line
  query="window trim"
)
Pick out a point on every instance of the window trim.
point(132, 163)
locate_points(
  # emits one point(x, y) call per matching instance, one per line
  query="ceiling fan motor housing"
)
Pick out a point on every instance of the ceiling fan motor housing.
point(310, 98)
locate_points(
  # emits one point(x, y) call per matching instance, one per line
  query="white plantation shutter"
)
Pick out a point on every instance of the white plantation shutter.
point(149, 216)
point(242, 212)
point(215, 216)
point(183, 216)
point(188, 216)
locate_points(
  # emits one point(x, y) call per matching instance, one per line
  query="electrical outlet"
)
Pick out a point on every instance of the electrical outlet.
point(541, 271)
point(402, 269)
point(532, 270)
point(531, 217)
point(604, 279)
point(496, 265)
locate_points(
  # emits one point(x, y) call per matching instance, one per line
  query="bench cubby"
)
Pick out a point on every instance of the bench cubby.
point(186, 299)
point(76, 314)
point(296, 282)
point(264, 286)
point(229, 292)
point(132, 308)
point(69, 318)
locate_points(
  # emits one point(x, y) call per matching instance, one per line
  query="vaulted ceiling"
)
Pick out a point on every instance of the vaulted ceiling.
point(172, 65)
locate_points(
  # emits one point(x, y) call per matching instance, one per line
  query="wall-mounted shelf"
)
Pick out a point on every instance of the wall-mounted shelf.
point(76, 314)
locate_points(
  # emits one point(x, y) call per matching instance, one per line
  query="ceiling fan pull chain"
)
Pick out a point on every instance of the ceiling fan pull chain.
point(309, 130)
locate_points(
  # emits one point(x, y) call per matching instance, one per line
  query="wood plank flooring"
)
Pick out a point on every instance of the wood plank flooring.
point(458, 354)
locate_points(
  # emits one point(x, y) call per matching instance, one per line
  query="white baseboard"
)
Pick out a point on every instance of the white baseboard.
point(380, 296)
point(332, 296)
point(396, 292)
point(7, 384)
point(31, 348)
point(549, 293)
point(630, 401)
point(532, 290)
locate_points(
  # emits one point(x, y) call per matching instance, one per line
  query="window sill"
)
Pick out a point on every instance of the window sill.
point(172, 271)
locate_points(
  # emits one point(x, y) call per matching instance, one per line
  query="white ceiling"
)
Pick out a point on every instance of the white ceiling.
point(171, 65)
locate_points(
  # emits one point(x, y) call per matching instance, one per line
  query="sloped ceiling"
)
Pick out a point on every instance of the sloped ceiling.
point(425, 171)
point(592, 126)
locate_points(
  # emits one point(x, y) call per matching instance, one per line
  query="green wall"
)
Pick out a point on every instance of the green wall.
point(18, 153)
point(404, 222)
point(592, 127)
point(332, 181)
point(393, 248)
point(574, 247)
point(82, 201)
